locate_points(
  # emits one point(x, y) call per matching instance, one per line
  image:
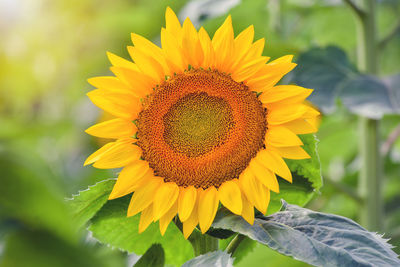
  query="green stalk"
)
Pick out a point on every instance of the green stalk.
point(203, 243)
point(234, 244)
point(370, 179)
point(275, 16)
point(370, 175)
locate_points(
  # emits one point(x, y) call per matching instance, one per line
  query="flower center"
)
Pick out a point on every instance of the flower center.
point(201, 128)
point(197, 123)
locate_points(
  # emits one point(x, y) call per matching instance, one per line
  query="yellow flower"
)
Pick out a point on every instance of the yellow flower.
point(199, 122)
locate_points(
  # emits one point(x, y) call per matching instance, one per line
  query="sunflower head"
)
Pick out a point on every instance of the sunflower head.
point(199, 121)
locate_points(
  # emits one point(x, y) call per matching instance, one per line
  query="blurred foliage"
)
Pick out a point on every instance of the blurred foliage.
point(49, 49)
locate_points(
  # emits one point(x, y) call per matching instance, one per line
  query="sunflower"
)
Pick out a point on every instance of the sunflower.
point(199, 121)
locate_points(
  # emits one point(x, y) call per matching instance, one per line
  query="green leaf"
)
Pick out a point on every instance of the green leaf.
point(220, 233)
point(215, 258)
point(316, 238)
point(112, 226)
point(329, 72)
point(369, 96)
point(154, 257)
point(307, 178)
point(393, 82)
point(88, 202)
point(323, 69)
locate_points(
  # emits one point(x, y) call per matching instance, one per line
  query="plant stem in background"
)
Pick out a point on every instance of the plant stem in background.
point(234, 244)
point(393, 136)
point(370, 178)
point(203, 243)
point(275, 16)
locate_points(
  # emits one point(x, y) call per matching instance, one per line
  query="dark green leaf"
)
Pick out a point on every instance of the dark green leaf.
point(315, 238)
point(220, 233)
point(154, 257)
point(329, 72)
point(393, 82)
point(215, 258)
point(368, 96)
point(112, 226)
point(323, 69)
point(87, 203)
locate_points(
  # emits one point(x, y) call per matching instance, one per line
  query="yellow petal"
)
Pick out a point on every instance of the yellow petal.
point(269, 75)
point(249, 69)
point(118, 156)
point(99, 153)
point(147, 64)
point(164, 198)
point(146, 217)
point(282, 92)
point(121, 62)
point(193, 220)
point(115, 128)
point(311, 112)
point(140, 83)
point(167, 217)
point(223, 45)
point(172, 23)
point(128, 178)
point(267, 198)
point(191, 45)
point(243, 43)
point(293, 152)
point(144, 196)
point(173, 52)
point(140, 181)
point(285, 114)
point(247, 210)
point(264, 175)
point(273, 161)
point(254, 190)
point(150, 49)
point(208, 206)
point(280, 136)
point(109, 83)
point(255, 50)
point(186, 202)
point(230, 196)
point(314, 122)
point(208, 50)
point(301, 126)
point(122, 105)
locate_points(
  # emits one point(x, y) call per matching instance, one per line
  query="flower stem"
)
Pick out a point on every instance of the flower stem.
point(370, 175)
point(203, 243)
point(234, 244)
point(370, 179)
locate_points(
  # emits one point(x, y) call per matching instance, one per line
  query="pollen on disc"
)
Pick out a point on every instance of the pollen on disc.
point(201, 128)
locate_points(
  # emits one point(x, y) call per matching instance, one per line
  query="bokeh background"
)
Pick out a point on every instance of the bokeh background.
point(49, 48)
